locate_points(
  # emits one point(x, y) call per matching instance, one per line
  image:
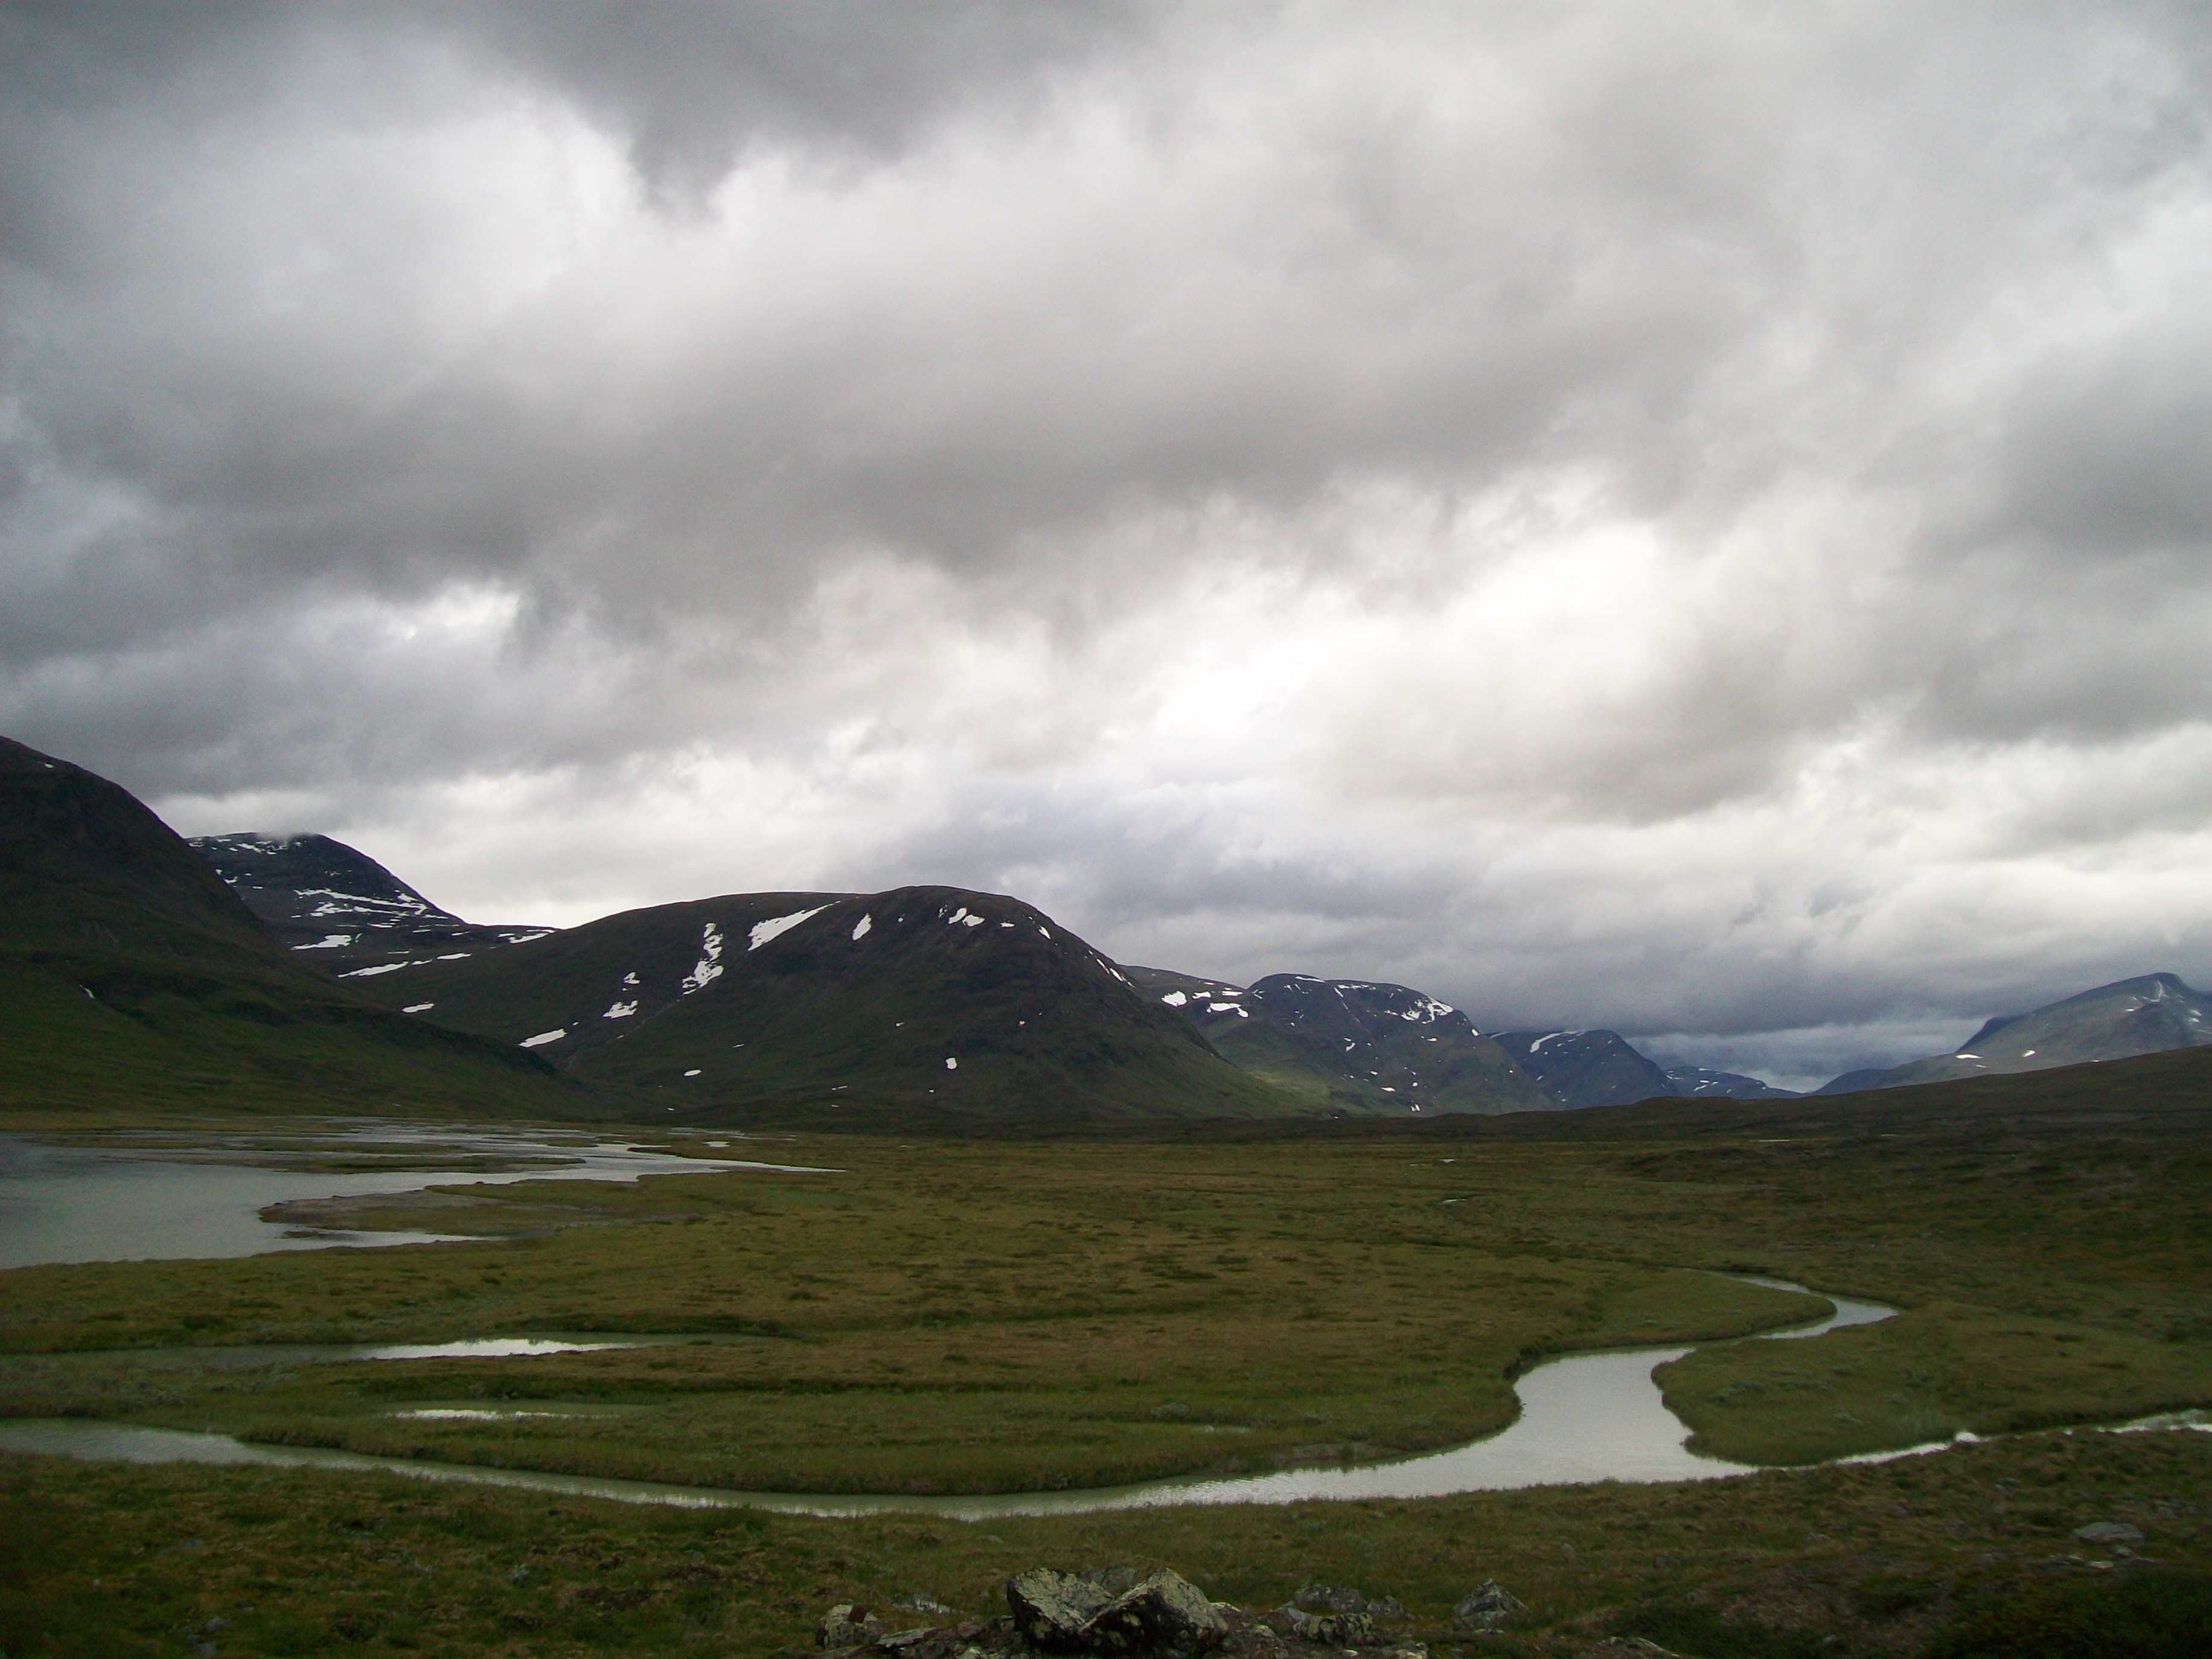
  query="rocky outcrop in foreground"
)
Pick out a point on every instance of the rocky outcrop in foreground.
point(1112, 1611)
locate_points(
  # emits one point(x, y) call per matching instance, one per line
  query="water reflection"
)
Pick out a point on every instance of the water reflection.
point(155, 1198)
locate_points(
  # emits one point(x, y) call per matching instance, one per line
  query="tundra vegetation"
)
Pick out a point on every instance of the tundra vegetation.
point(949, 1314)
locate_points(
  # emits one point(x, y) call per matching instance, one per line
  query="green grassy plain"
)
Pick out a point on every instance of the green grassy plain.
point(948, 1314)
point(1969, 1554)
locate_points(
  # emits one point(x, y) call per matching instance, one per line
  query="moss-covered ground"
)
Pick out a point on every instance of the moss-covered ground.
point(950, 1314)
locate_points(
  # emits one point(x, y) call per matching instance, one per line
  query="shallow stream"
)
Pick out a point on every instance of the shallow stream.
point(1583, 1418)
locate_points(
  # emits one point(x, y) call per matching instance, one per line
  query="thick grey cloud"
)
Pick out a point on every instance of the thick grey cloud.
point(1698, 524)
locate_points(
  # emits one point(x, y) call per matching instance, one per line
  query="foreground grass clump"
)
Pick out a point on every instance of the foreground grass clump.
point(1931, 1373)
point(1968, 1553)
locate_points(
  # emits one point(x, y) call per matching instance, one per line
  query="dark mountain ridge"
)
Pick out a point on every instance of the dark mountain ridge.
point(921, 996)
point(1579, 1069)
point(313, 893)
point(130, 972)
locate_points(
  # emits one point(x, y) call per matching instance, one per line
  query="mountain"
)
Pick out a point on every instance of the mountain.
point(924, 997)
point(1702, 1081)
point(1586, 1068)
point(1350, 1044)
point(2148, 1015)
point(317, 895)
point(132, 975)
point(1849, 1083)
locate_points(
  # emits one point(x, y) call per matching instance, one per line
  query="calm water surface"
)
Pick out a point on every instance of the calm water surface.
point(144, 1199)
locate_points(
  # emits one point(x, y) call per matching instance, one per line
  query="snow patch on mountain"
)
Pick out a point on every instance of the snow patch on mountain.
point(709, 967)
point(763, 932)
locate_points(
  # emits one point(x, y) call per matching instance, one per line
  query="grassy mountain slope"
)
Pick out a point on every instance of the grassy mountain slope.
point(321, 897)
point(132, 975)
point(1245, 1035)
point(928, 997)
point(1351, 1044)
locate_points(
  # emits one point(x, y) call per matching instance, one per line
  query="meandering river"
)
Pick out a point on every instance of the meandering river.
point(1583, 1418)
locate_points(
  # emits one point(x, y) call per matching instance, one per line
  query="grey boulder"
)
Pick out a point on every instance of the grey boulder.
point(1055, 1609)
point(1486, 1606)
point(1162, 1613)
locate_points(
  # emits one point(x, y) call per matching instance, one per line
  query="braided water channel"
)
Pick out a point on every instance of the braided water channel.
point(1583, 1418)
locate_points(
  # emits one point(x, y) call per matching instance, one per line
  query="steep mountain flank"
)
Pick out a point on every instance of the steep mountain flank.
point(1586, 1068)
point(131, 973)
point(921, 997)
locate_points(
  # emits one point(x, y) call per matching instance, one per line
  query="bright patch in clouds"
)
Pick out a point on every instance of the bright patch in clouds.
point(1670, 523)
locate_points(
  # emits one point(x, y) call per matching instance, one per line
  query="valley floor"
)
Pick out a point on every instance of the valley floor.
point(946, 1315)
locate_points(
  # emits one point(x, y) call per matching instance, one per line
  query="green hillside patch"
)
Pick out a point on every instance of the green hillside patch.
point(1927, 1375)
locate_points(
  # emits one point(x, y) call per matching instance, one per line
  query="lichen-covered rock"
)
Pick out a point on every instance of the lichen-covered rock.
point(1332, 1630)
point(1486, 1606)
point(1162, 1613)
point(847, 1626)
point(1055, 1609)
point(1329, 1598)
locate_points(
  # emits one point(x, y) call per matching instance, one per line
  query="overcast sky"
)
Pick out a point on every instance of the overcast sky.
point(1696, 520)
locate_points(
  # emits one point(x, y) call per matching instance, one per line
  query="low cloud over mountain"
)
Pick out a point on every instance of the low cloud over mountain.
point(1697, 527)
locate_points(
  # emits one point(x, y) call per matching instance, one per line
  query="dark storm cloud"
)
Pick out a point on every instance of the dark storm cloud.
point(1699, 522)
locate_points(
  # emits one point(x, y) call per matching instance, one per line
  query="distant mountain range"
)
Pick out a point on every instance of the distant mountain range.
point(132, 967)
point(2148, 1015)
point(1351, 1044)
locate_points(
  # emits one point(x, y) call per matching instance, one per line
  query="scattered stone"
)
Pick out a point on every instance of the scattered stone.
point(1486, 1606)
point(1389, 1609)
point(845, 1625)
point(518, 1574)
point(915, 1601)
point(2108, 1532)
point(1327, 1598)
